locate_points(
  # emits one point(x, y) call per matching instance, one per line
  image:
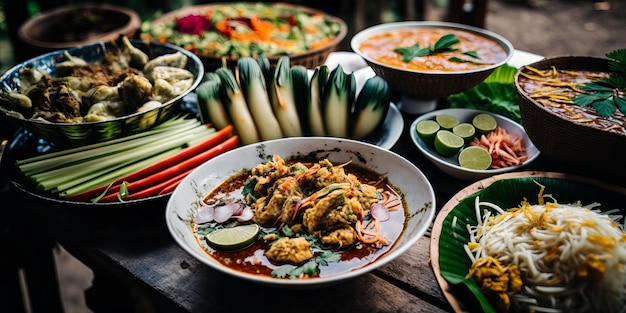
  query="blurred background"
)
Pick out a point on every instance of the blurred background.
point(544, 27)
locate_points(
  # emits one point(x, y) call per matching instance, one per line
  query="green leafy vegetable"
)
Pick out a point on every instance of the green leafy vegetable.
point(495, 94)
point(443, 44)
point(607, 94)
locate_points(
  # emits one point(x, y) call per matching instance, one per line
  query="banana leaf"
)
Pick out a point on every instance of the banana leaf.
point(507, 193)
point(495, 94)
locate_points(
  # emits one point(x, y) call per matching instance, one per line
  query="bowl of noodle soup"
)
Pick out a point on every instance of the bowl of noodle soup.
point(554, 242)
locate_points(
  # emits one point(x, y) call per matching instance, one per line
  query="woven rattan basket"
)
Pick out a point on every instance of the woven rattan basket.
point(581, 147)
point(310, 59)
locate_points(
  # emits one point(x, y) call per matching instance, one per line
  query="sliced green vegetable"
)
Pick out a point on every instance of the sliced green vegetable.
point(317, 89)
point(495, 94)
point(237, 107)
point(340, 90)
point(302, 96)
point(371, 107)
point(283, 101)
point(255, 94)
point(210, 105)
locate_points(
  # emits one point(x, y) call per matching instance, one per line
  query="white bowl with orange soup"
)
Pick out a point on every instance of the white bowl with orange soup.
point(442, 58)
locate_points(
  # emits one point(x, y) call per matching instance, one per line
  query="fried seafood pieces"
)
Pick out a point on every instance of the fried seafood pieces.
point(321, 200)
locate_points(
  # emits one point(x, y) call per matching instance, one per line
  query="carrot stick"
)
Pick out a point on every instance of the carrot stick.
point(184, 154)
point(171, 187)
point(184, 166)
point(149, 192)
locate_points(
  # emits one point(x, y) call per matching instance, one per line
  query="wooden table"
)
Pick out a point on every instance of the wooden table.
point(138, 266)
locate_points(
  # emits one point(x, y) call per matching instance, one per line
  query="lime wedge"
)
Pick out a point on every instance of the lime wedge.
point(233, 238)
point(426, 130)
point(446, 121)
point(447, 143)
point(465, 131)
point(484, 123)
point(475, 158)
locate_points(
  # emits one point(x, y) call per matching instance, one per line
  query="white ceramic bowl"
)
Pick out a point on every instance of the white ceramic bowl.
point(419, 196)
point(450, 165)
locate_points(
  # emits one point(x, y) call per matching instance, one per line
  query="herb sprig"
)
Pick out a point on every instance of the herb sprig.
point(443, 44)
point(610, 93)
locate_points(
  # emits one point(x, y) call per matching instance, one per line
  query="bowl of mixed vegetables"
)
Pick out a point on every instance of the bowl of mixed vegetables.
point(223, 32)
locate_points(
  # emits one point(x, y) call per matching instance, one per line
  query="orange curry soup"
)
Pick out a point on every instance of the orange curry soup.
point(380, 47)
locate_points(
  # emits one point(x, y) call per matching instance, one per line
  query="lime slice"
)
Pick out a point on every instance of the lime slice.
point(475, 158)
point(233, 238)
point(447, 143)
point(484, 123)
point(426, 130)
point(446, 121)
point(465, 131)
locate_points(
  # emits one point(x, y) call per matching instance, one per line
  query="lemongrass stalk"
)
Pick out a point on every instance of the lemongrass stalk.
point(29, 167)
point(174, 126)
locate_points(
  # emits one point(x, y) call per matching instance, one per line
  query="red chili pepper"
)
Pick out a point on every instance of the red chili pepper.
point(177, 169)
point(184, 154)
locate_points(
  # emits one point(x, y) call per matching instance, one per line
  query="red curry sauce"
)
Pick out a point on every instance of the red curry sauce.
point(251, 260)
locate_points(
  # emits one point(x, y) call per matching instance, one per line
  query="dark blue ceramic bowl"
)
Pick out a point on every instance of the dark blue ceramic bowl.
point(74, 134)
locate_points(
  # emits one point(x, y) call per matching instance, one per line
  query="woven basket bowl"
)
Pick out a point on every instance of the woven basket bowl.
point(429, 85)
point(73, 134)
point(310, 59)
point(93, 22)
point(581, 147)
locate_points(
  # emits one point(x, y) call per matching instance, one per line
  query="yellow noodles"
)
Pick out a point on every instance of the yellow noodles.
point(571, 257)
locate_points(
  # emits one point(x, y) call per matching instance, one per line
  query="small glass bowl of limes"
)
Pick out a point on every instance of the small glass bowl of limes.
point(455, 141)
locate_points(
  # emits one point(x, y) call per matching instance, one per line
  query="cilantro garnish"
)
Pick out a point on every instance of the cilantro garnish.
point(607, 94)
point(312, 266)
point(443, 44)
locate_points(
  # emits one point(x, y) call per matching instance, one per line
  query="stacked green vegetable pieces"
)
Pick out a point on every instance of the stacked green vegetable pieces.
point(264, 102)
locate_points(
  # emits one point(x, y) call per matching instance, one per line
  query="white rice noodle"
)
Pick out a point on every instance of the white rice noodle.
point(550, 243)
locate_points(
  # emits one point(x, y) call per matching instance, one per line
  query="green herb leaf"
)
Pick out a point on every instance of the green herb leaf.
point(618, 60)
point(620, 103)
point(472, 53)
point(607, 94)
point(408, 53)
point(604, 107)
point(588, 99)
point(455, 59)
point(445, 43)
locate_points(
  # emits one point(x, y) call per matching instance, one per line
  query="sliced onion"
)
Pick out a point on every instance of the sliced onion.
point(379, 212)
point(246, 214)
point(204, 214)
point(224, 212)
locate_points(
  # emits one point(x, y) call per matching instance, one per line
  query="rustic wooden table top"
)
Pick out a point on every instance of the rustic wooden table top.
point(138, 250)
point(132, 253)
